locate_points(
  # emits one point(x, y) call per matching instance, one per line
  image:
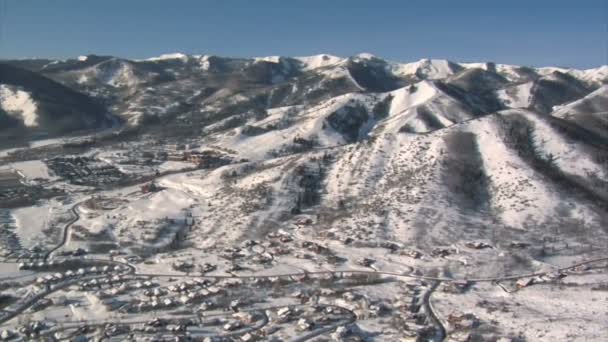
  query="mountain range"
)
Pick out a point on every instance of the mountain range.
point(407, 151)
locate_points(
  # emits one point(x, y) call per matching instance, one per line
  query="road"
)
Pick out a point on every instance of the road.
point(259, 324)
point(378, 272)
point(430, 312)
point(426, 299)
point(66, 230)
point(29, 302)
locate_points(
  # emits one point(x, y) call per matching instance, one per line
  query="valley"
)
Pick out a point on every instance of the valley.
point(199, 197)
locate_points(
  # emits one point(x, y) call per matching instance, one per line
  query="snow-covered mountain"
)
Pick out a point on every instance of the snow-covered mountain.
point(32, 104)
point(294, 183)
point(362, 143)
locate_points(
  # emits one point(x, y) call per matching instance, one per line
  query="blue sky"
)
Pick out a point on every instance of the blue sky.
point(532, 32)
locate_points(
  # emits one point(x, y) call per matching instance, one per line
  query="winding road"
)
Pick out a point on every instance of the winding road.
point(66, 230)
point(29, 302)
point(430, 311)
point(378, 272)
point(131, 271)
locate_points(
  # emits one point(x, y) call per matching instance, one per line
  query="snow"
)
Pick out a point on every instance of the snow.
point(593, 75)
point(309, 124)
point(563, 111)
point(82, 58)
point(429, 68)
point(82, 79)
point(15, 100)
point(519, 96)
point(403, 107)
point(597, 75)
point(47, 142)
point(506, 70)
point(365, 55)
point(519, 194)
point(117, 76)
point(404, 98)
point(319, 61)
point(33, 169)
point(543, 312)
point(500, 163)
point(167, 56)
point(174, 166)
point(569, 155)
point(394, 185)
point(151, 208)
point(271, 59)
point(204, 62)
point(483, 66)
point(31, 221)
point(113, 72)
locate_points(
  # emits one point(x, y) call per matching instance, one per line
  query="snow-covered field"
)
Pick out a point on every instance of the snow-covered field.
point(34, 169)
point(545, 312)
point(31, 221)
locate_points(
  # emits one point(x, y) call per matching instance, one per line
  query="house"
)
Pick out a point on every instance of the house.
point(441, 252)
point(149, 187)
point(477, 245)
point(305, 324)
point(247, 337)
point(366, 262)
point(460, 320)
point(524, 282)
point(284, 312)
point(231, 326)
point(412, 254)
point(244, 317)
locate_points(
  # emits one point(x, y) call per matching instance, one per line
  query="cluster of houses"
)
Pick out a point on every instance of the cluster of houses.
point(58, 277)
point(203, 159)
point(154, 297)
point(9, 242)
point(84, 170)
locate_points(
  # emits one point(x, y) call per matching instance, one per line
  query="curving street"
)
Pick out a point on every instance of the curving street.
point(66, 230)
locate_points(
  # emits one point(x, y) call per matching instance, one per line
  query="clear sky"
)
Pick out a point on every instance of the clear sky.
point(529, 32)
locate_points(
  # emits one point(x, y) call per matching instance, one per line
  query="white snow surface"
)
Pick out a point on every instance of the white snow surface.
point(563, 111)
point(593, 75)
point(431, 68)
point(33, 169)
point(404, 98)
point(167, 56)
point(31, 221)
point(113, 72)
point(319, 61)
point(568, 155)
point(519, 96)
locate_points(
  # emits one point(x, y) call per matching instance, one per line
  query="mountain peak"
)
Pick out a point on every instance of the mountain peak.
point(365, 55)
point(168, 56)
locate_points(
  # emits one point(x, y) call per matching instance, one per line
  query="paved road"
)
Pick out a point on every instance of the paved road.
point(29, 302)
point(132, 271)
point(430, 311)
point(378, 272)
point(66, 230)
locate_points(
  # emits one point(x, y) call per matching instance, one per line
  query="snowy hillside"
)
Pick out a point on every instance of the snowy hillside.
point(342, 192)
point(32, 104)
